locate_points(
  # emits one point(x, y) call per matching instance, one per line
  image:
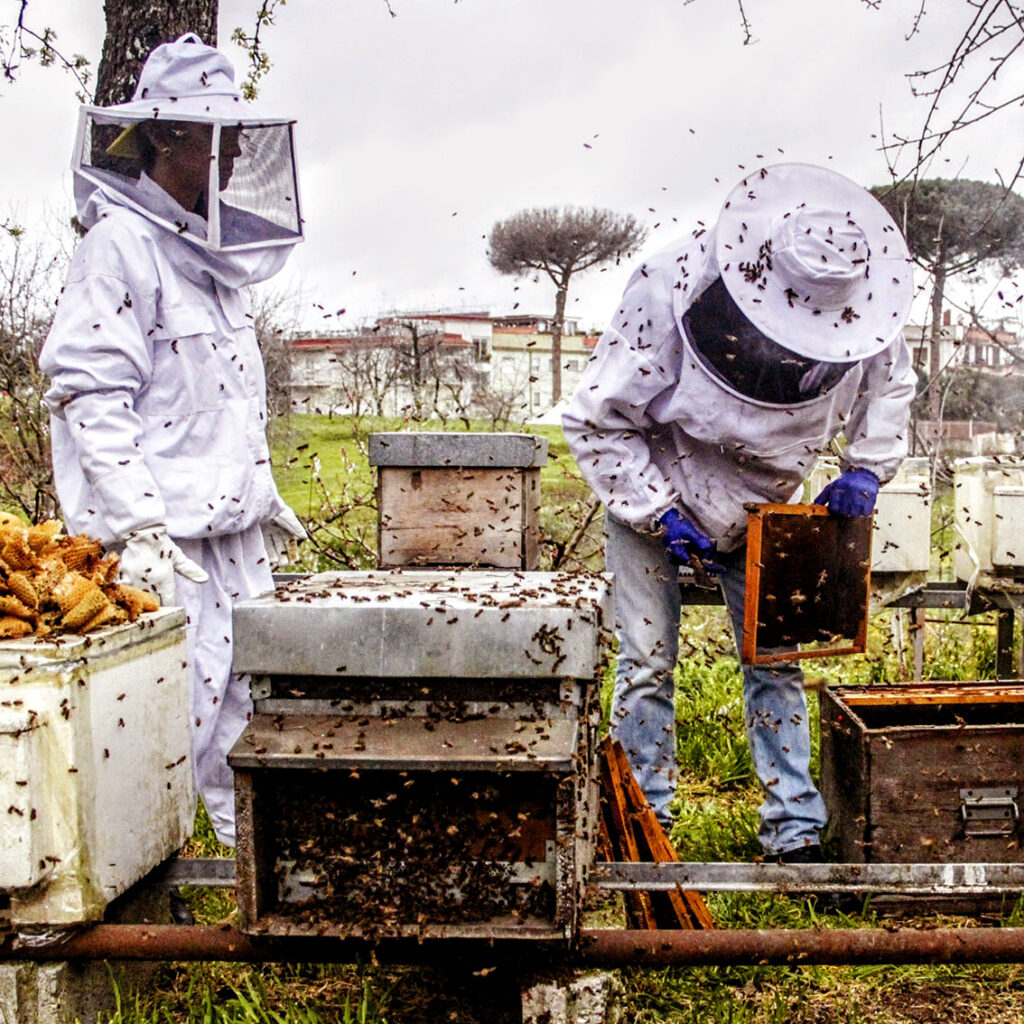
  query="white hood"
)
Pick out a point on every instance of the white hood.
point(233, 269)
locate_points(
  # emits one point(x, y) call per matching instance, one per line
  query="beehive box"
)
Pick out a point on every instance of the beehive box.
point(95, 774)
point(458, 499)
point(421, 761)
point(988, 500)
point(924, 772)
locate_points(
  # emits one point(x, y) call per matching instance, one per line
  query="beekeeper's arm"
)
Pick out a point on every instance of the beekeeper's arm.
point(876, 431)
point(99, 357)
point(607, 417)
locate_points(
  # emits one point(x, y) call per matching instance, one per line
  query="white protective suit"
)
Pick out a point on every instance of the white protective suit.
point(653, 428)
point(158, 403)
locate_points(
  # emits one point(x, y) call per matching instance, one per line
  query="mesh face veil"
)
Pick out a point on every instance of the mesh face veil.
point(225, 185)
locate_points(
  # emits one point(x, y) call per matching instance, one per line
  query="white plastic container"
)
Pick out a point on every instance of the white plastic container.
point(988, 496)
point(95, 771)
point(903, 513)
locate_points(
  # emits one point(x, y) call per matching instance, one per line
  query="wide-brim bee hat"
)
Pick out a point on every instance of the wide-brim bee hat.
point(182, 80)
point(815, 262)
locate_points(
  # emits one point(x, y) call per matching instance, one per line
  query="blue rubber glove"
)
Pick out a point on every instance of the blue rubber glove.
point(852, 494)
point(684, 542)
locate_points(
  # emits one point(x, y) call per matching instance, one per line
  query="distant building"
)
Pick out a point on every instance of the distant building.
point(522, 358)
point(959, 345)
point(395, 368)
point(462, 355)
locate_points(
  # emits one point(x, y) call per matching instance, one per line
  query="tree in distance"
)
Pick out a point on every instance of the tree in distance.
point(561, 242)
point(955, 227)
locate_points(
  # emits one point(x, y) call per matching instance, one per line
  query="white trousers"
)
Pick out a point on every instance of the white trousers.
point(238, 568)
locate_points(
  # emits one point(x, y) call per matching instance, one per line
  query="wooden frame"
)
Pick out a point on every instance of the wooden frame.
point(846, 579)
point(934, 693)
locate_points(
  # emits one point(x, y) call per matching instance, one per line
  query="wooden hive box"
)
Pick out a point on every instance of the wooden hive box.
point(458, 499)
point(924, 772)
point(421, 757)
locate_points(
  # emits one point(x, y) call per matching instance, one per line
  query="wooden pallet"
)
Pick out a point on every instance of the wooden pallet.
point(631, 832)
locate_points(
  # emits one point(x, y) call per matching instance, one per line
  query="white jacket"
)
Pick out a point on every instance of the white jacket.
point(157, 396)
point(652, 428)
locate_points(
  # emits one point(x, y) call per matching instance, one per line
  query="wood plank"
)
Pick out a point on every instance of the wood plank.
point(636, 835)
point(845, 778)
point(465, 498)
point(451, 546)
point(943, 693)
point(639, 912)
point(687, 908)
point(914, 810)
point(346, 742)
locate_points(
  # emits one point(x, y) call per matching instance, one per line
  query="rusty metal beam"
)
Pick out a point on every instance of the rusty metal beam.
point(603, 947)
point(616, 948)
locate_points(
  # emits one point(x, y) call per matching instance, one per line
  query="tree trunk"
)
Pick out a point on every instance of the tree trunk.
point(935, 344)
point(556, 341)
point(134, 28)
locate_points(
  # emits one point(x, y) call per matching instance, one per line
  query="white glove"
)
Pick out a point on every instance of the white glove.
point(281, 537)
point(150, 559)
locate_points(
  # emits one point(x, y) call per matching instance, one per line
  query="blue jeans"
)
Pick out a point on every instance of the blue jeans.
point(647, 607)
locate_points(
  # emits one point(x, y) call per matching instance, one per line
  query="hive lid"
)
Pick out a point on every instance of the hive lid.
point(449, 623)
point(73, 647)
point(424, 450)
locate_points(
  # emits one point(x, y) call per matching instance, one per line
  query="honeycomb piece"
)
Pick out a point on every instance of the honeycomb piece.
point(71, 589)
point(23, 589)
point(80, 552)
point(13, 629)
point(51, 571)
point(16, 552)
point(108, 615)
point(42, 535)
point(133, 600)
point(11, 606)
point(90, 605)
point(105, 571)
point(12, 531)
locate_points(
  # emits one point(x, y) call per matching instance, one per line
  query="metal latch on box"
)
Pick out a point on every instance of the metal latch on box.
point(989, 812)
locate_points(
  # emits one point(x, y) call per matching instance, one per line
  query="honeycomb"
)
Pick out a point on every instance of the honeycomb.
point(52, 584)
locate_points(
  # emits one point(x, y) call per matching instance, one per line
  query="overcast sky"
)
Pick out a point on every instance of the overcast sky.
point(416, 133)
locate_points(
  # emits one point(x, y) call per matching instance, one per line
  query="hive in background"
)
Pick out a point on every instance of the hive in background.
point(458, 499)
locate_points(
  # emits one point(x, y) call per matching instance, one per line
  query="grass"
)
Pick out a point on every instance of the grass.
point(323, 473)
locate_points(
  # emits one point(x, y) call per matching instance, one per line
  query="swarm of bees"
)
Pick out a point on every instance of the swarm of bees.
point(51, 583)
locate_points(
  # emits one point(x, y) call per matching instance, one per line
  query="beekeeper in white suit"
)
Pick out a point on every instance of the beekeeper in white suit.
point(735, 357)
point(157, 395)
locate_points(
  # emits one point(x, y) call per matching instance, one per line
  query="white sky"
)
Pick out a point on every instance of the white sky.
point(416, 133)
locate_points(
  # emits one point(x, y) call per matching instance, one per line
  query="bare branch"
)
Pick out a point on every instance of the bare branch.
point(916, 27)
point(748, 37)
point(16, 50)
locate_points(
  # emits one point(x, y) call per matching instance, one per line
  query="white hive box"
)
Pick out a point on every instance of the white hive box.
point(988, 498)
point(902, 539)
point(95, 771)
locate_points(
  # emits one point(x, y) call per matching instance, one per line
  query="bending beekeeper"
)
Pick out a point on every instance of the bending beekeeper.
point(734, 359)
point(157, 392)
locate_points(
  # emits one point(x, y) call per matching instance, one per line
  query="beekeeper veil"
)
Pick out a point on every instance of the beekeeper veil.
point(188, 153)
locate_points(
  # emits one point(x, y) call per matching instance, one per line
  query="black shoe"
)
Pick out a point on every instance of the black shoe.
point(180, 912)
point(809, 854)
